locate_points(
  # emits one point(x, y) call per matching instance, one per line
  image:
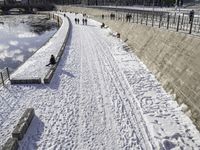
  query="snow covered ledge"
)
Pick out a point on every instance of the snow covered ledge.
point(35, 67)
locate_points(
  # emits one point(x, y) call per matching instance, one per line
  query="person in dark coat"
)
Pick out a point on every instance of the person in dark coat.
point(52, 61)
point(78, 20)
point(102, 16)
point(85, 21)
point(191, 16)
point(102, 25)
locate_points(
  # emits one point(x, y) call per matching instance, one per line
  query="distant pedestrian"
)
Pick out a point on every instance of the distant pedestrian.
point(85, 21)
point(191, 16)
point(52, 61)
point(78, 20)
point(102, 25)
point(102, 16)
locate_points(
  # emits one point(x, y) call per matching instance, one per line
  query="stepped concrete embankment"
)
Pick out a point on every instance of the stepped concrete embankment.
point(172, 57)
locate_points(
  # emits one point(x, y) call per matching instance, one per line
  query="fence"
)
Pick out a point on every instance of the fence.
point(177, 22)
point(4, 75)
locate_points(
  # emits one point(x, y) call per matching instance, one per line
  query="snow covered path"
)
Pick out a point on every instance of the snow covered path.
point(40, 58)
point(101, 97)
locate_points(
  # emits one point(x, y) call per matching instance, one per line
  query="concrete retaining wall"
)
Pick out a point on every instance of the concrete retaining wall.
point(11, 144)
point(172, 57)
point(19, 130)
point(25, 81)
point(50, 73)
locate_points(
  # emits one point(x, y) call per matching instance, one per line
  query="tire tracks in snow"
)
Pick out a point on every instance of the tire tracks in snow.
point(126, 96)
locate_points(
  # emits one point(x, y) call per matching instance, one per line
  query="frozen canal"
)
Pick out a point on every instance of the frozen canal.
point(101, 97)
point(21, 36)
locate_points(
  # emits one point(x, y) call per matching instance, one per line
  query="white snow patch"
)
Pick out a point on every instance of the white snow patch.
point(14, 43)
point(27, 35)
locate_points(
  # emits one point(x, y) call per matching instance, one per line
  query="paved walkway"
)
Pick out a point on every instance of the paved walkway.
point(35, 66)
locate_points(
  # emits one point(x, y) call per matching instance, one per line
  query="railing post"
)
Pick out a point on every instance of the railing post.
point(191, 23)
point(182, 19)
point(2, 77)
point(147, 20)
point(160, 21)
point(57, 20)
point(8, 73)
point(178, 23)
point(174, 21)
point(168, 17)
point(152, 19)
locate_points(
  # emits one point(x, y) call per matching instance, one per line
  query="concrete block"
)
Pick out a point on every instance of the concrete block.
point(23, 124)
point(11, 144)
point(48, 76)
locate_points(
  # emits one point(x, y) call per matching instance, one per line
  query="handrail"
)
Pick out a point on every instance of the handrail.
point(4, 75)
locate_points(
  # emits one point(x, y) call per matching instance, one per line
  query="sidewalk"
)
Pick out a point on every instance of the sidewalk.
point(35, 67)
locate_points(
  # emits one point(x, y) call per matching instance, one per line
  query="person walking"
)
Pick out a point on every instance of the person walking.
point(191, 16)
point(85, 21)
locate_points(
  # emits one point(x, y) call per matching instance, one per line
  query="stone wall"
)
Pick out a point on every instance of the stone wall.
point(173, 57)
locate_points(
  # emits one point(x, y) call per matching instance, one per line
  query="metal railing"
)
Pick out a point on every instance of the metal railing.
point(4, 75)
point(176, 22)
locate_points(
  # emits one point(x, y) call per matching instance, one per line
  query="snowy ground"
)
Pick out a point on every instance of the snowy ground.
point(101, 97)
point(35, 66)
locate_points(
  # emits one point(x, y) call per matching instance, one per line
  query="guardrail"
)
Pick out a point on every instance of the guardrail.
point(4, 75)
point(177, 22)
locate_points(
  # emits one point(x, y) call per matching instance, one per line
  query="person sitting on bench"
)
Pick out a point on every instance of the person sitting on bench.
point(52, 61)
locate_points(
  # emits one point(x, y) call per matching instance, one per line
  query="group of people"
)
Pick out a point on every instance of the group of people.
point(128, 17)
point(112, 16)
point(77, 20)
point(84, 21)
